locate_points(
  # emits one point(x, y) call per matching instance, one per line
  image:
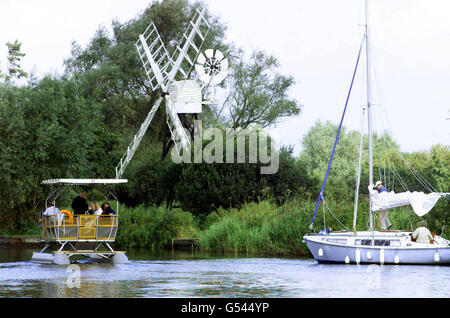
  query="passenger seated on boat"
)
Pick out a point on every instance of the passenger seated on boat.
point(79, 204)
point(54, 215)
point(422, 234)
point(107, 210)
point(96, 210)
point(52, 210)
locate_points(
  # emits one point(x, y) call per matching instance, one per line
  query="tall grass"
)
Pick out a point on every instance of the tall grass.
point(257, 228)
point(154, 228)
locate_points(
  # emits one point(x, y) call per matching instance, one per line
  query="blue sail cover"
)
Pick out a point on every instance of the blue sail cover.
point(320, 198)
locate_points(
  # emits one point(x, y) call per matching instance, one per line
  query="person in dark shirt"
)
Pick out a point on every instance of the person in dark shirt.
point(380, 187)
point(107, 210)
point(79, 204)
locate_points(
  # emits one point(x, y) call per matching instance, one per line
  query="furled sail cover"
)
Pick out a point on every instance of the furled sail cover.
point(420, 202)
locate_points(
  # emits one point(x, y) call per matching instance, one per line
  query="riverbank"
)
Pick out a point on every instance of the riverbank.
point(20, 241)
point(257, 228)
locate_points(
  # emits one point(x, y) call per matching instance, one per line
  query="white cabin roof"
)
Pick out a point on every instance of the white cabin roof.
point(84, 181)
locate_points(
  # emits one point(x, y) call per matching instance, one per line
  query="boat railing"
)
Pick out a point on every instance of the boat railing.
point(79, 228)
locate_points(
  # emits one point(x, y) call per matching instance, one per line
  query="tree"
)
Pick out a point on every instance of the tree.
point(14, 58)
point(258, 93)
point(2, 76)
point(152, 181)
point(291, 180)
point(318, 144)
point(203, 188)
point(46, 131)
point(440, 166)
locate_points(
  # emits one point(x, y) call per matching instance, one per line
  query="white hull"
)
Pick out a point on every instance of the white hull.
point(392, 248)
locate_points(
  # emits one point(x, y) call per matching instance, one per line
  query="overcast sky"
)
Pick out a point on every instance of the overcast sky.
point(315, 41)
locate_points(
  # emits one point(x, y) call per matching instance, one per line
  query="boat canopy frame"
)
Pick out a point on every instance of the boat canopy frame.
point(61, 185)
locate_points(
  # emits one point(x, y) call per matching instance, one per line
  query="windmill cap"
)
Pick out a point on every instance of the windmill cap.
point(378, 183)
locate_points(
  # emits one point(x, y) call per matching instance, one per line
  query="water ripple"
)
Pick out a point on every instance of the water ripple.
point(226, 277)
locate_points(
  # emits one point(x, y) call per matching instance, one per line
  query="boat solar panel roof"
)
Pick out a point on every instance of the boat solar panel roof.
point(84, 181)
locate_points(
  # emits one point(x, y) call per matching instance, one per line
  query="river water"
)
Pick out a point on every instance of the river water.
point(195, 275)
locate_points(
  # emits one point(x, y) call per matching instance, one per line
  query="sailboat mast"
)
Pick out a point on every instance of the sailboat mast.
point(369, 108)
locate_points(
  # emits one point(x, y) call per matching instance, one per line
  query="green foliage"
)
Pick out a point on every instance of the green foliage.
point(2, 76)
point(291, 181)
point(206, 187)
point(258, 93)
point(14, 57)
point(152, 227)
point(152, 181)
point(47, 131)
point(439, 167)
point(318, 145)
point(203, 188)
point(259, 228)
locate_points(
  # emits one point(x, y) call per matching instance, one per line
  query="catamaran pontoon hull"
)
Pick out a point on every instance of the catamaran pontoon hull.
point(63, 258)
point(347, 249)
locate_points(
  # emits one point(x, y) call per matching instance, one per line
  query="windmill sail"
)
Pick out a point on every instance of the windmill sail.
point(189, 48)
point(126, 158)
point(155, 58)
point(420, 202)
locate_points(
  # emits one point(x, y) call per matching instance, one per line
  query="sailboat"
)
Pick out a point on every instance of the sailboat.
point(371, 246)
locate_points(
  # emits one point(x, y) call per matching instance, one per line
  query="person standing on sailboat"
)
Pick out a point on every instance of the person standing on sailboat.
point(383, 218)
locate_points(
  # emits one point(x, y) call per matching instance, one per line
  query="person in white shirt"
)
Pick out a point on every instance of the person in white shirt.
point(54, 214)
point(96, 210)
point(52, 210)
point(422, 234)
point(382, 215)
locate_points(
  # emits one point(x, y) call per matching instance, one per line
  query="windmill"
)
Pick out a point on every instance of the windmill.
point(181, 97)
point(212, 68)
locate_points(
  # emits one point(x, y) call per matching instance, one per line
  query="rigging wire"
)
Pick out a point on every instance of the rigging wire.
point(389, 171)
point(415, 173)
point(358, 169)
point(400, 180)
point(394, 171)
point(326, 205)
point(379, 173)
point(422, 181)
point(324, 222)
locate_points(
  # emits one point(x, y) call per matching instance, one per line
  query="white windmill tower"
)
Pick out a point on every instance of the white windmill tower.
point(182, 97)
